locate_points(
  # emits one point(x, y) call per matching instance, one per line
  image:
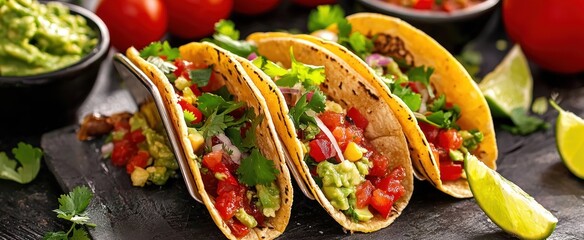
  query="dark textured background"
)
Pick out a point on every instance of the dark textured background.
point(168, 212)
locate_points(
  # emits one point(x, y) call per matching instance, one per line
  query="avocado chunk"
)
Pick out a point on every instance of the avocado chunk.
point(363, 214)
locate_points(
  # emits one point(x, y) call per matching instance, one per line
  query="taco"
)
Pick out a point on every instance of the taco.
point(346, 143)
point(226, 131)
point(441, 109)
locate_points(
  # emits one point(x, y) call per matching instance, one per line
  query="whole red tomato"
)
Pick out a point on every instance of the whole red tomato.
point(133, 22)
point(253, 7)
point(549, 32)
point(196, 18)
point(314, 3)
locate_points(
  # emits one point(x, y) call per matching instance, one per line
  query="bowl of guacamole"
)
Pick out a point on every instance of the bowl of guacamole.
point(50, 56)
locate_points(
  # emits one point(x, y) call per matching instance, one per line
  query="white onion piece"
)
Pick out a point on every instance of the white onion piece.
point(326, 35)
point(331, 138)
point(217, 147)
point(208, 142)
point(224, 139)
point(235, 154)
point(107, 148)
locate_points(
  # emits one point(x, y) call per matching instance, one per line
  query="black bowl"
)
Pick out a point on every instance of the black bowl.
point(452, 30)
point(31, 104)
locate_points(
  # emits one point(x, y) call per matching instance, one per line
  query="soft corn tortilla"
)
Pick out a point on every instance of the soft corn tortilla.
point(346, 87)
point(403, 41)
point(231, 73)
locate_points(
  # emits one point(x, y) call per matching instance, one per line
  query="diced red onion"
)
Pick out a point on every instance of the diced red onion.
point(224, 139)
point(252, 56)
point(235, 154)
point(331, 138)
point(106, 149)
point(377, 60)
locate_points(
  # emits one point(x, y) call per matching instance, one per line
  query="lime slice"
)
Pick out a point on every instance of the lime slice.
point(506, 204)
point(569, 141)
point(510, 85)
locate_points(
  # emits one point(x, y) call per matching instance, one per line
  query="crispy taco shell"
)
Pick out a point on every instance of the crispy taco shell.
point(228, 71)
point(398, 39)
point(346, 87)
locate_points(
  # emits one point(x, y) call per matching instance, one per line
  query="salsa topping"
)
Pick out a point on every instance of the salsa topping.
point(437, 117)
point(236, 174)
point(341, 160)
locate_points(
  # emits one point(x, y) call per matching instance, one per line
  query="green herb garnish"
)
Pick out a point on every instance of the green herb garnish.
point(72, 208)
point(26, 166)
point(257, 169)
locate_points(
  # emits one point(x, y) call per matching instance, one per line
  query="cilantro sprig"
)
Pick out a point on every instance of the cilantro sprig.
point(524, 124)
point(216, 110)
point(257, 169)
point(158, 49)
point(300, 112)
point(305, 74)
point(72, 208)
point(26, 166)
point(324, 16)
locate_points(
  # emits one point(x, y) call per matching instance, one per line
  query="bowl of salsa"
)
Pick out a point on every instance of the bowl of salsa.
point(452, 23)
point(50, 56)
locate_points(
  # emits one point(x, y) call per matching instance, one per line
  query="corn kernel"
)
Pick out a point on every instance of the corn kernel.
point(353, 152)
point(197, 140)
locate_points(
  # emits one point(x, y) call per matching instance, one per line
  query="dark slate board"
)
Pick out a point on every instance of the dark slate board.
point(125, 212)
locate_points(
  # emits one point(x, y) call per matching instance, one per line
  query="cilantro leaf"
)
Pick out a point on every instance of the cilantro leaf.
point(27, 167)
point(201, 76)
point(422, 74)
point(268, 67)
point(60, 235)
point(299, 112)
point(410, 98)
point(324, 16)
point(445, 119)
point(438, 103)
point(345, 28)
point(249, 141)
point(215, 108)
point(524, 124)
point(360, 44)
point(256, 169)
point(227, 28)
point(215, 124)
point(79, 234)
point(158, 49)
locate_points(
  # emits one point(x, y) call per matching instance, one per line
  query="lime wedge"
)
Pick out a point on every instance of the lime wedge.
point(510, 85)
point(569, 141)
point(506, 204)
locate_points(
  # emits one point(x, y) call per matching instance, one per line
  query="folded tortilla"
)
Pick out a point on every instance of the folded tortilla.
point(348, 88)
point(228, 71)
point(403, 41)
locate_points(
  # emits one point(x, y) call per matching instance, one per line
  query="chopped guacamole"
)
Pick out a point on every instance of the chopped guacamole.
point(38, 38)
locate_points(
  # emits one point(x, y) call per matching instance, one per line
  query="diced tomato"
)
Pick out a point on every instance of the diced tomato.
point(181, 66)
point(363, 194)
point(448, 6)
point(380, 164)
point(449, 139)
point(450, 171)
point(321, 149)
point(391, 186)
point(229, 184)
point(189, 107)
point(210, 182)
point(137, 136)
point(382, 202)
point(195, 89)
point(344, 135)
point(430, 131)
point(424, 4)
point(237, 228)
point(332, 119)
point(212, 160)
point(138, 160)
point(122, 152)
point(212, 85)
point(228, 203)
point(398, 173)
point(359, 120)
point(321, 135)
